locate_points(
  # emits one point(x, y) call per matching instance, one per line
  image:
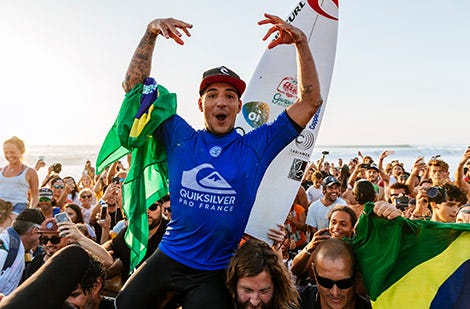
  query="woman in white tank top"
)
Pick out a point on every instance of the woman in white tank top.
point(18, 182)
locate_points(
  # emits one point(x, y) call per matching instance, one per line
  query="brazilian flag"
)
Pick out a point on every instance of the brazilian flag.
point(144, 108)
point(413, 264)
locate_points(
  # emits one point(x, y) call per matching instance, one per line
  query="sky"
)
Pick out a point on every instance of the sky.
point(400, 75)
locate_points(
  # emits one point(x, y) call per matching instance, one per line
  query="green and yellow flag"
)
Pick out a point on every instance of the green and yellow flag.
point(413, 264)
point(144, 108)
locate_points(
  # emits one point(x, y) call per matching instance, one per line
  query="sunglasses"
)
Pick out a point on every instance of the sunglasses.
point(44, 199)
point(167, 209)
point(154, 206)
point(59, 186)
point(55, 240)
point(86, 196)
point(328, 283)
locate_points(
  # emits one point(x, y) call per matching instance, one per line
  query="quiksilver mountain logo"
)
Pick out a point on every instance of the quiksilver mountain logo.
point(205, 188)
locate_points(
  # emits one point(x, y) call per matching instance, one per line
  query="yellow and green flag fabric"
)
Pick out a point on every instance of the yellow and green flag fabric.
point(413, 263)
point(143, 109)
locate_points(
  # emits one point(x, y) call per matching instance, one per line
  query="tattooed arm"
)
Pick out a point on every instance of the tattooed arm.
point(309, 96)
point(141, 63)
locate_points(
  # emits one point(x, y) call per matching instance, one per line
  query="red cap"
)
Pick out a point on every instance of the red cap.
point(222, 75)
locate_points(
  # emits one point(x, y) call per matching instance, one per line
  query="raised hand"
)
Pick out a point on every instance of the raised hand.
point(286, 33)
point(168, 27)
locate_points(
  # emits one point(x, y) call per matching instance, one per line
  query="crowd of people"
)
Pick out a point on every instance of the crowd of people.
point(194, 259)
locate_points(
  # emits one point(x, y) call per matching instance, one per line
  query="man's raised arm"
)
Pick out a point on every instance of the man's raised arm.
point(309, 96)
point(141, 63)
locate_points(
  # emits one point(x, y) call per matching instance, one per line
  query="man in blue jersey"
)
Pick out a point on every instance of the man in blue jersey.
point(214, 173)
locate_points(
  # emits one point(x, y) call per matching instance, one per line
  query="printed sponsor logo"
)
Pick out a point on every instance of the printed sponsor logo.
point(205, 188)
point(149, 88)
point(297, 153)
point(215, 151)
point(305, 140)
point(297, 169)
point(315, 120)
point(296, 12)
point(317, 7)
point(286, 92)
point(256, 113)
point(288, 86)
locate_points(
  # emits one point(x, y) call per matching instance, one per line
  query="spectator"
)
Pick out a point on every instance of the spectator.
point(45, 203)
point(318, 210)
point(86, 201)
point(315, 192)
point(157, 226)
point(15, 241)
point(6, 214)
point(256, 278)
point(463, 216)
point(445, 202)
point(76, 216)
point(335, 278)
point(71, 189)
point(342, 220)
point(18, 182)
point(88, 293)
point(59, 196)
point(51, 242)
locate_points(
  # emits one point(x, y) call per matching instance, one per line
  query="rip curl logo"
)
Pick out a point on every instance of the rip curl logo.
point(224, 71)
point(215, 151)
point(205, 188)
point(317, 7)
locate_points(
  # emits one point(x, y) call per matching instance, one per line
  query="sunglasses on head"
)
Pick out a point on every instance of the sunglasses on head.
point(44, 199)
point(59, 186)
point(54, 240)
point(329, 283)
point(86, 196)
point(154, 206)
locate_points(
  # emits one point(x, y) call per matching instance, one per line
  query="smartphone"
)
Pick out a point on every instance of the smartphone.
point(104, 211)
point(62, 217)
point(41, 158)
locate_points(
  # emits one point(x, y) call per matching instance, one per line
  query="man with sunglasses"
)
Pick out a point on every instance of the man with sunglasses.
point(51, 242)
point(15, 241)
point(335, 277)
point(121, 252)
point(45, 203)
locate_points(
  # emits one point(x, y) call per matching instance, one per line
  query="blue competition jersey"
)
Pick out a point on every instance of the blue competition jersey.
point(213, 185)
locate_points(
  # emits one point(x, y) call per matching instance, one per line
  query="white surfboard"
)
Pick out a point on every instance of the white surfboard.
point(272, 88)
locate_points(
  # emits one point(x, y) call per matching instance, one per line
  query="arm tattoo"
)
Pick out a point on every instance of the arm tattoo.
point(307, 89)
point(141, 62)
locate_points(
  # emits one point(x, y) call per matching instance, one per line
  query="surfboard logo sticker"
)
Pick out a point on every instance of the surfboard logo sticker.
point(296, 170)
point(317, 7)
point(305, 140)
point(256, 113)
point(288, 86)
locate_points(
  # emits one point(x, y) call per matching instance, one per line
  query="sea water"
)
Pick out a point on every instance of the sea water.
point(73, 158)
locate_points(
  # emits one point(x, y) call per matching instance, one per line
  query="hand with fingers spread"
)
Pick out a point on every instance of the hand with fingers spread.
point(168, 27)
point(287, 34)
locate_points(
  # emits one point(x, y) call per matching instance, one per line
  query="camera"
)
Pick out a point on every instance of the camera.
point(436, 194)
point(402, 202)
point(325, 153)
point(57, 167)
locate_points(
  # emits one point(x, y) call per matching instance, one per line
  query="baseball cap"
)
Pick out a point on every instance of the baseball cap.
point(49, 226)
point(329, 180)
point(31, 215)
point(373, 166)
point(45, 192)
point(222, 75)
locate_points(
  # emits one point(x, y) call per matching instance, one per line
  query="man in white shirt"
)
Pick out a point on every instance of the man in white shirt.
point(21, 237)
point(317, 216)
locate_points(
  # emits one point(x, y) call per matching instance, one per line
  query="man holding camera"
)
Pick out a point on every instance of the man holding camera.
point(445, 202)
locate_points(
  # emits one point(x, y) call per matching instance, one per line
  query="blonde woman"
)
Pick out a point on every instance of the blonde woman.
point(18, 182)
